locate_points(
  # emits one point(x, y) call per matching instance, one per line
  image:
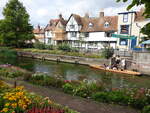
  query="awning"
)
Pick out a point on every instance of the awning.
point(146, 42)
point(123, 36)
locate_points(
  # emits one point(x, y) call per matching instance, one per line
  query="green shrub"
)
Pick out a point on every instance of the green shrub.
point(39, 45)
point(73, 49)
point(101, 97)
point(139, 103)
point(8, 72)
point(119, 97)
point(68, 88)
point(45, 80)
point(107, 52)
point(7, 53)
point(146, 109)
point(82, 91)
point(64, 47)
point(49, 47)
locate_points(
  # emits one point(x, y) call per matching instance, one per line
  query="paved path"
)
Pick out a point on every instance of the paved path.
point(79, 104)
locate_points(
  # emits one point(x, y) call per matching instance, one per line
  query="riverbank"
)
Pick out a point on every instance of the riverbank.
point(130, 63)
point(64, 58)
point(79, 104)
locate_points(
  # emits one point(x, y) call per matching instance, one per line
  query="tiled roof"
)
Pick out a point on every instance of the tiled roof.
point(38, 30)
point(63, 22)
point(52, 24)
point(77, 18)
point(97, 24)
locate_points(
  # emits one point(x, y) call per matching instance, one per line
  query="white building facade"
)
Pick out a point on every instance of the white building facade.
point(91, 33)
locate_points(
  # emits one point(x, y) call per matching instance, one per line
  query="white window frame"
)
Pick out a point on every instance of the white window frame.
point(125, 18)
point(73, 34)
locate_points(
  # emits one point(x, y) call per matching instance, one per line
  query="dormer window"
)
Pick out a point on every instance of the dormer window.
point(90, 24)
point(72, 26)
point(106, 24)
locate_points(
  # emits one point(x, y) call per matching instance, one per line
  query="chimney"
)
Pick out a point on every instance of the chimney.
point(86, 15)
point(38, 27)
point(60, 16)
point(101, 14)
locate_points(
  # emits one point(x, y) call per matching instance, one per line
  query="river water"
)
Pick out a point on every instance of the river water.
point(79, 72)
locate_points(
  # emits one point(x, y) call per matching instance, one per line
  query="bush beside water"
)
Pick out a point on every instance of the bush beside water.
point(107, 52)
point(7, 53)
point(61, 49)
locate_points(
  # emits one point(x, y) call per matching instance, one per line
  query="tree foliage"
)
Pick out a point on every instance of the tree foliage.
point(15, 28)
point(146, 29)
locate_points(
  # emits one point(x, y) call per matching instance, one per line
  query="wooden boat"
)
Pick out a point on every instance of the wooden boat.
point(115, 71)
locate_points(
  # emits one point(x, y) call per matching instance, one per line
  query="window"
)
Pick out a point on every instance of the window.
point(72, 26)
point(90, 24)
point(49, 41)
point(124, 29)
point(123, 41)
point(48, 33)
point(108, 34)
point(73, 34)
point(125, 18)
point(106, 24)
point(86, 34)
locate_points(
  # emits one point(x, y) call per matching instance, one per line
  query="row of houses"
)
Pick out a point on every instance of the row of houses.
point(94, 33)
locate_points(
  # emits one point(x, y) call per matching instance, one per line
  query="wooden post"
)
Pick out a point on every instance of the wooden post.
point(15, 84)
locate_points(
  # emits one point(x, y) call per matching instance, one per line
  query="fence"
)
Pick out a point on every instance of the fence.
point(123, 53)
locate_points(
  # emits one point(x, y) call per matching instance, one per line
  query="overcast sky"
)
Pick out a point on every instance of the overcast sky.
point(41, 11)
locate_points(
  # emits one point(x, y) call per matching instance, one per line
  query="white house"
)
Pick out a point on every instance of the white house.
point(129, 26)
point(91, 33)
point(39, 34)
point(49, 31)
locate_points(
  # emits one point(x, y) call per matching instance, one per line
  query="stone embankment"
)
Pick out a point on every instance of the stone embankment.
point(63, 58)
point(141, 62)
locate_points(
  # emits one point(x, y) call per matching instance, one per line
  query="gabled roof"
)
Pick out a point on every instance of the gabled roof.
point(38, 30)
point(51, 25)
point(77, 18)
point(62, 21)
point(99, 24)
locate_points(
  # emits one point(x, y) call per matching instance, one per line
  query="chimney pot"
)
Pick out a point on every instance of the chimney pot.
point(86, 15)
point(101, 14)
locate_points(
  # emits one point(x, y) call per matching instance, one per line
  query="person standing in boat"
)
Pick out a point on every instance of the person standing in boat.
point(118, 60)
point(113, 61)
point(123, 64)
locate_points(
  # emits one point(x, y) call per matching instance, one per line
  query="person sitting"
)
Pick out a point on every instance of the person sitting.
point(106, 66)
point(123, 64)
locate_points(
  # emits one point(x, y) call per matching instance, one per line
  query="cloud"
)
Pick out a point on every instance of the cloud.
point(41, 11)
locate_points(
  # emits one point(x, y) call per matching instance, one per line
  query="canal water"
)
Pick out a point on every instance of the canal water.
point(79, 72)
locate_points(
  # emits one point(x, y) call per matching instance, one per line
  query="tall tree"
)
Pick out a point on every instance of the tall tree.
point(146, 29)
point(15, 28)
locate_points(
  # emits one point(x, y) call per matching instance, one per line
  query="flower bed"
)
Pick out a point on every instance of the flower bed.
point(12, 72)
point(137, 98)
point(17, 100)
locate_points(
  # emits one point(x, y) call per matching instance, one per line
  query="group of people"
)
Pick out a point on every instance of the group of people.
point(117, 63)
